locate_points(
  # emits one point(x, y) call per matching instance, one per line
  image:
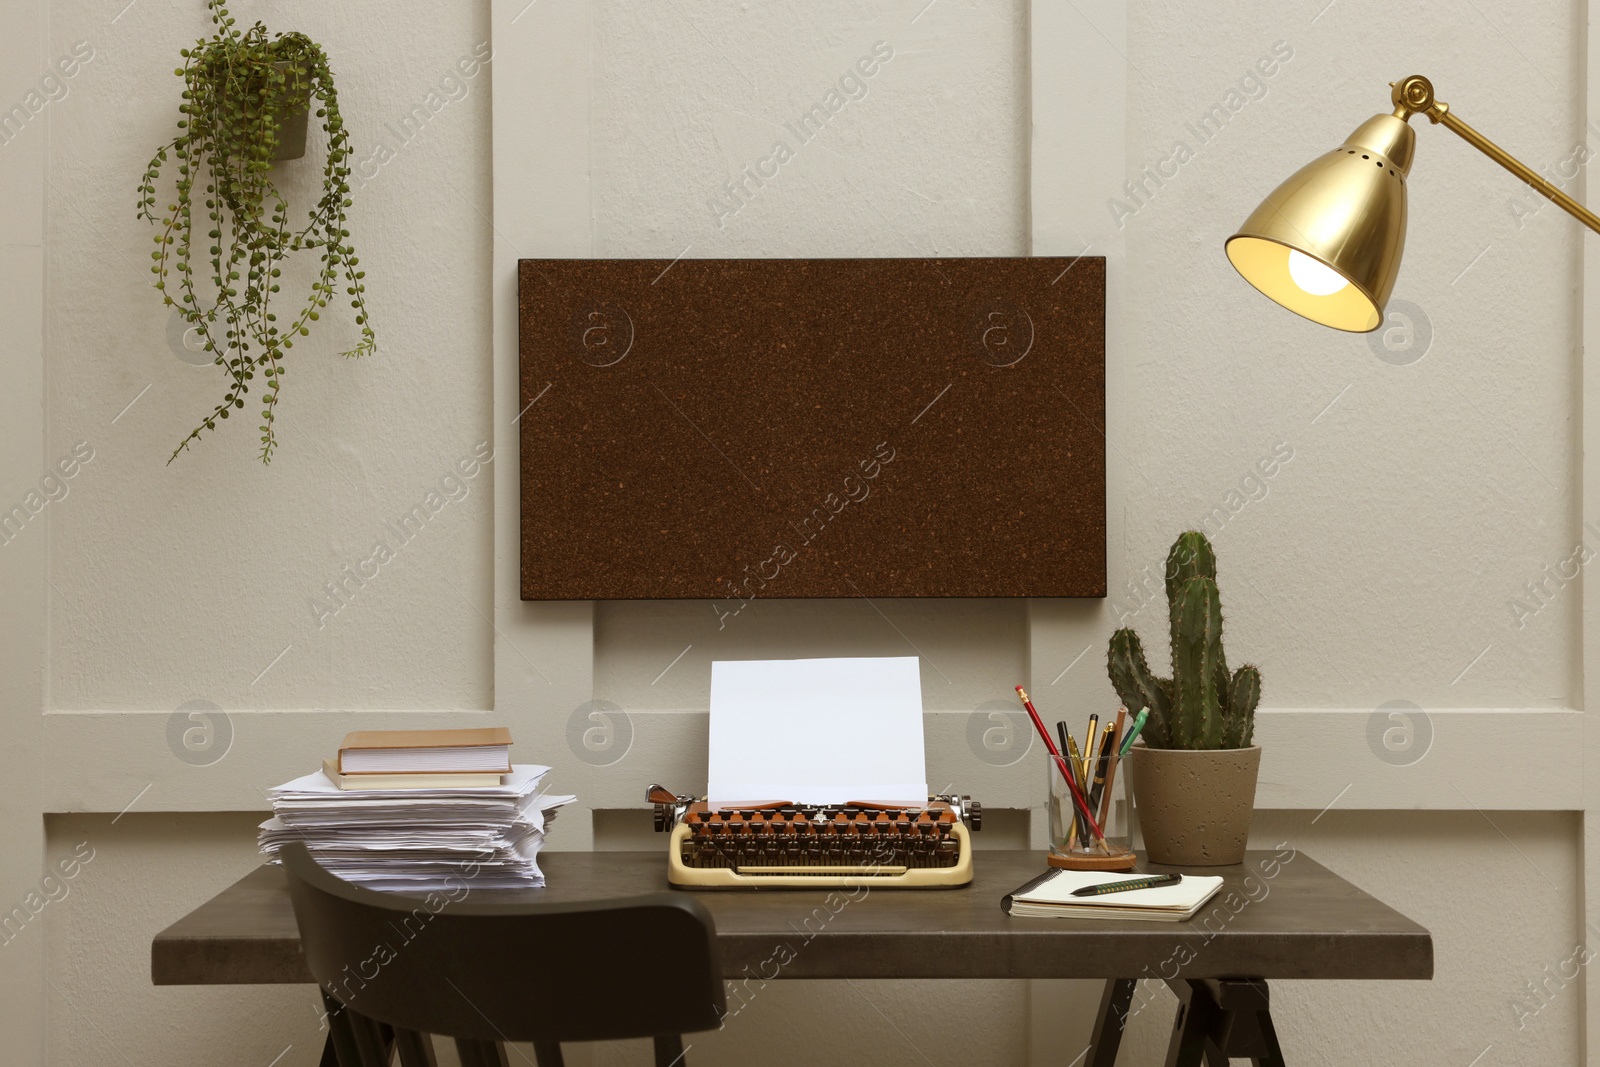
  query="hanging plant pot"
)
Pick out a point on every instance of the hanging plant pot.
point(226, 237)
point(291, 107)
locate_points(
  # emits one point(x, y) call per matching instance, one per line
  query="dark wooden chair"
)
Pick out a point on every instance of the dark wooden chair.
point(395, 969)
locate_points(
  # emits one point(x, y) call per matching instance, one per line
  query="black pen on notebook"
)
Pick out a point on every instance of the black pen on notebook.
point(1128, 885)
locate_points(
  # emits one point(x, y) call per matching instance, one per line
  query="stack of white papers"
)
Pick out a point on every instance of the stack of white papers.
point(419, 840)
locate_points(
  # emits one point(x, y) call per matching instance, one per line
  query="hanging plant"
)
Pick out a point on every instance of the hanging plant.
point(224, 243)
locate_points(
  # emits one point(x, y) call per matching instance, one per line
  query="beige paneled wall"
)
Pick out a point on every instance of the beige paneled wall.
point(1432, 477)
point(1374, 566)
point(187, 582)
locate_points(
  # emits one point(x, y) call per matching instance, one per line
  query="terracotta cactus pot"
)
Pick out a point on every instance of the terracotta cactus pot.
point(1194, 807)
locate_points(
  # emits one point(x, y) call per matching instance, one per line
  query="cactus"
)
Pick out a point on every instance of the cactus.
point(1140, 688)
point(1243, 696)
point(1196, 651)
point(1202, 706)
point(1191, 557)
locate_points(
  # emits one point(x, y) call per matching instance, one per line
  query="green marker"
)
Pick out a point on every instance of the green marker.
point(1152, 881)
point(1133, 732)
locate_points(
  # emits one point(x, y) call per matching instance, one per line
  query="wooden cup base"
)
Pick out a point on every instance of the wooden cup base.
point(1114, 860)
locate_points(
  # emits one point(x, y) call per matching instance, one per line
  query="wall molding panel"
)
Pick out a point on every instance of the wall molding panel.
point(547, 198)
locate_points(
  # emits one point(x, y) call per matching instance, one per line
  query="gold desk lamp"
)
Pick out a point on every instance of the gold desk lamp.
point(1326, 243)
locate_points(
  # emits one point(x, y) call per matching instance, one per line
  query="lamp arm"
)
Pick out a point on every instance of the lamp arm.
point(1414, 95)
point(1477, 140)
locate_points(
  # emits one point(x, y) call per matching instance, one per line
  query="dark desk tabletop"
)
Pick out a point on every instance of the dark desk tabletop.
point(1279, 915)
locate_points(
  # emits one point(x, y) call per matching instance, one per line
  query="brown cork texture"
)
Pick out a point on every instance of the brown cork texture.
point(812, 428)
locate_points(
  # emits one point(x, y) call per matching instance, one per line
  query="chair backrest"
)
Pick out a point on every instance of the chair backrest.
point(604, 970)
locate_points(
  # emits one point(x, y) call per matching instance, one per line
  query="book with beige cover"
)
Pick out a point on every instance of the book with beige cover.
point(410, 779)
point(477, 751)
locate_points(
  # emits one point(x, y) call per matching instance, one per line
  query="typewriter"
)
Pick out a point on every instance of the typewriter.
point(790, 846)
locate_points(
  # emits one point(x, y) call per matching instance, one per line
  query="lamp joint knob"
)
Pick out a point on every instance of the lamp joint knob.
point(1414, 95)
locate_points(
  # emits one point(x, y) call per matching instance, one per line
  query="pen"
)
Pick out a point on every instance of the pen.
point(1079, 830)
point(1077, 763)
point(1089, 749)
point(1133, 731)
point(1074, 762)
point(1129, 885)
point(1067, 745)
point(1077, 759)
point(1050, 747)
point(1100, 765)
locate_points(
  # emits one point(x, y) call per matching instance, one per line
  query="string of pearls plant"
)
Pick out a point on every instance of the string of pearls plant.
point(224, 241)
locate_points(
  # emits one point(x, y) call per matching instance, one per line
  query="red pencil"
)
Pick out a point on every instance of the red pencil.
point(1061, 764)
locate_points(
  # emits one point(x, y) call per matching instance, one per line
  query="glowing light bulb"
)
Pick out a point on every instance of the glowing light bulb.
point(1313, 277)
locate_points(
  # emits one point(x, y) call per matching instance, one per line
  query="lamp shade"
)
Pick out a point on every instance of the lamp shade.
point(1326, 243)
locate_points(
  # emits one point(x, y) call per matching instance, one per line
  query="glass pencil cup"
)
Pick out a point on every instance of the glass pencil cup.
point(1074, 848)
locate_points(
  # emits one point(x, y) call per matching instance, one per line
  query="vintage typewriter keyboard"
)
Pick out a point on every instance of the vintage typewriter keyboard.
point(822, 837)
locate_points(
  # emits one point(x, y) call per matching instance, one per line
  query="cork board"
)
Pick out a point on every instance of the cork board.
point(730, 429)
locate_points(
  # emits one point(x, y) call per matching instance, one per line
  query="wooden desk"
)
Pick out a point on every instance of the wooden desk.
point(1279, 915)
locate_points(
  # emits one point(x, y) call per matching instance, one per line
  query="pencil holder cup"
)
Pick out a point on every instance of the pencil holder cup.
point(1075, 848)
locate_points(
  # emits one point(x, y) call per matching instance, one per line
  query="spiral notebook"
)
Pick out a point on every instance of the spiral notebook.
point(1049, 896)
